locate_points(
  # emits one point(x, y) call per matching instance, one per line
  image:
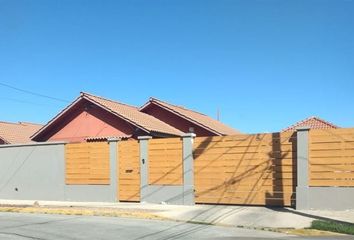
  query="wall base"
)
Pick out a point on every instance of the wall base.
point(331, 198)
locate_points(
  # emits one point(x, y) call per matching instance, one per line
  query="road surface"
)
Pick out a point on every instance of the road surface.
point(19, 226)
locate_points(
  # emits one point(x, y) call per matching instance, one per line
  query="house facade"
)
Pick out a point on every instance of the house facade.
point(186, 120)
point(93, 118)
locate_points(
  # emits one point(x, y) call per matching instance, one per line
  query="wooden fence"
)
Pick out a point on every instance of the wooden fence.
point(87, 163)
point(332, 158)
point(255, 169)
point(245, 169)
point(165, 161)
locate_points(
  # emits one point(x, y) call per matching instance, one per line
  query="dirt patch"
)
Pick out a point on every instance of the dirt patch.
point(307, 232)
point(106, 212)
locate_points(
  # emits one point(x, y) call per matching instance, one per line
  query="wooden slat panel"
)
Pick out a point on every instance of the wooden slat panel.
point(332, 157)
point(87, 163)
point(331, 160)
point(331, 183)
point(165, 161)
point(245, 169)
point(333, 175)
point(332, 167)
point(129, 171)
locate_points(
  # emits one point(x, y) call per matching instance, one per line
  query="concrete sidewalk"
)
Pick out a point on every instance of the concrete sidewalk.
point(258, 217)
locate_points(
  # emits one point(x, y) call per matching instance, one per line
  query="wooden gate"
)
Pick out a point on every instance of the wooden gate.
point(128, 171)
point(256, 169)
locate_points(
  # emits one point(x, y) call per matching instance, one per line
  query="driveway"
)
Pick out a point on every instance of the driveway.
point(54, 227)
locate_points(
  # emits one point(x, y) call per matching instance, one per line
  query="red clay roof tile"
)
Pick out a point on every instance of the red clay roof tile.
point(17, 133)
point(198, 118)
point(133, 115)
point(312, 123)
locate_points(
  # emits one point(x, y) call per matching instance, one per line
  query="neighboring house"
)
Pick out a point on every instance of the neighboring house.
point(312, 123)
point(93, 118)
point(17, 133)
point(186, 120)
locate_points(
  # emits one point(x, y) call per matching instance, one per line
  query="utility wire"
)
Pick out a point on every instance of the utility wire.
point(26, 102)
point(33, 93)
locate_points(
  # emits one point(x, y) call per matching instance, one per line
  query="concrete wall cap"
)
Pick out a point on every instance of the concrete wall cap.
point(32, 144)
point(144, 137)
point(113, 139)
point(189, 135)
point(305, 128)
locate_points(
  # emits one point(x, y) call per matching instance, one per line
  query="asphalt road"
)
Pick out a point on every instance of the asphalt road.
point(54, 227)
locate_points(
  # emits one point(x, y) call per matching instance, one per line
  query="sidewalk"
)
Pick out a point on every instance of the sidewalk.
point(258, 217)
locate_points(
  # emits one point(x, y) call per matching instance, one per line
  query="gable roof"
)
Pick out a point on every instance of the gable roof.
point(197, 118)
point(126, 112)
point(312, 123)
point(133, 115)
point(16, 133)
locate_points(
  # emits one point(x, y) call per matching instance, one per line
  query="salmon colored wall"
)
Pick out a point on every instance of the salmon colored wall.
point(176, 121)
point(85, 121)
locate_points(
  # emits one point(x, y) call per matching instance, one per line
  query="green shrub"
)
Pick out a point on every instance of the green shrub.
point(332, 226)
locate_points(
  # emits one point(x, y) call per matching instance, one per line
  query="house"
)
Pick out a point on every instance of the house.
point(93, 118)
point(312, 123)
point(186, 120)
point(17, 133)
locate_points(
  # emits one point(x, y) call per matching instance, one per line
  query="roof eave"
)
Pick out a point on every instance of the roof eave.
point(4, 140)
point(153, 101)
point(116, 114)
point(61, 113)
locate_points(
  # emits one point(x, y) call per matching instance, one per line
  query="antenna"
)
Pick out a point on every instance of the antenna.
point(218, 114)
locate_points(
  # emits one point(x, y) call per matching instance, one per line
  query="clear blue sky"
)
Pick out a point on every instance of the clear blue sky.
point(264, 64)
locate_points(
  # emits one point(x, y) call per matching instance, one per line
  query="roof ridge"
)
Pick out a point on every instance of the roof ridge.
point(106, 99)
point(179, 106)
point(14, 123)
point(308, 119)
point(20, 123)
point(322, 120)
point(30, 123)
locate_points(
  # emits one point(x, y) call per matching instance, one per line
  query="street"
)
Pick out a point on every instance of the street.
point(19, 226)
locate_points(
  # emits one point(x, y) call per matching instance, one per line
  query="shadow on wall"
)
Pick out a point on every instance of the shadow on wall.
point(281, 170)
point(241, 169)
point(238, 170)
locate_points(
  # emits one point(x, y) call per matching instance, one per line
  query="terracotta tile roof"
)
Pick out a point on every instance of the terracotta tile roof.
point(133, 115)
point(312, 122)
point(198, 118)
point(16, 133)
point(105, 138)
